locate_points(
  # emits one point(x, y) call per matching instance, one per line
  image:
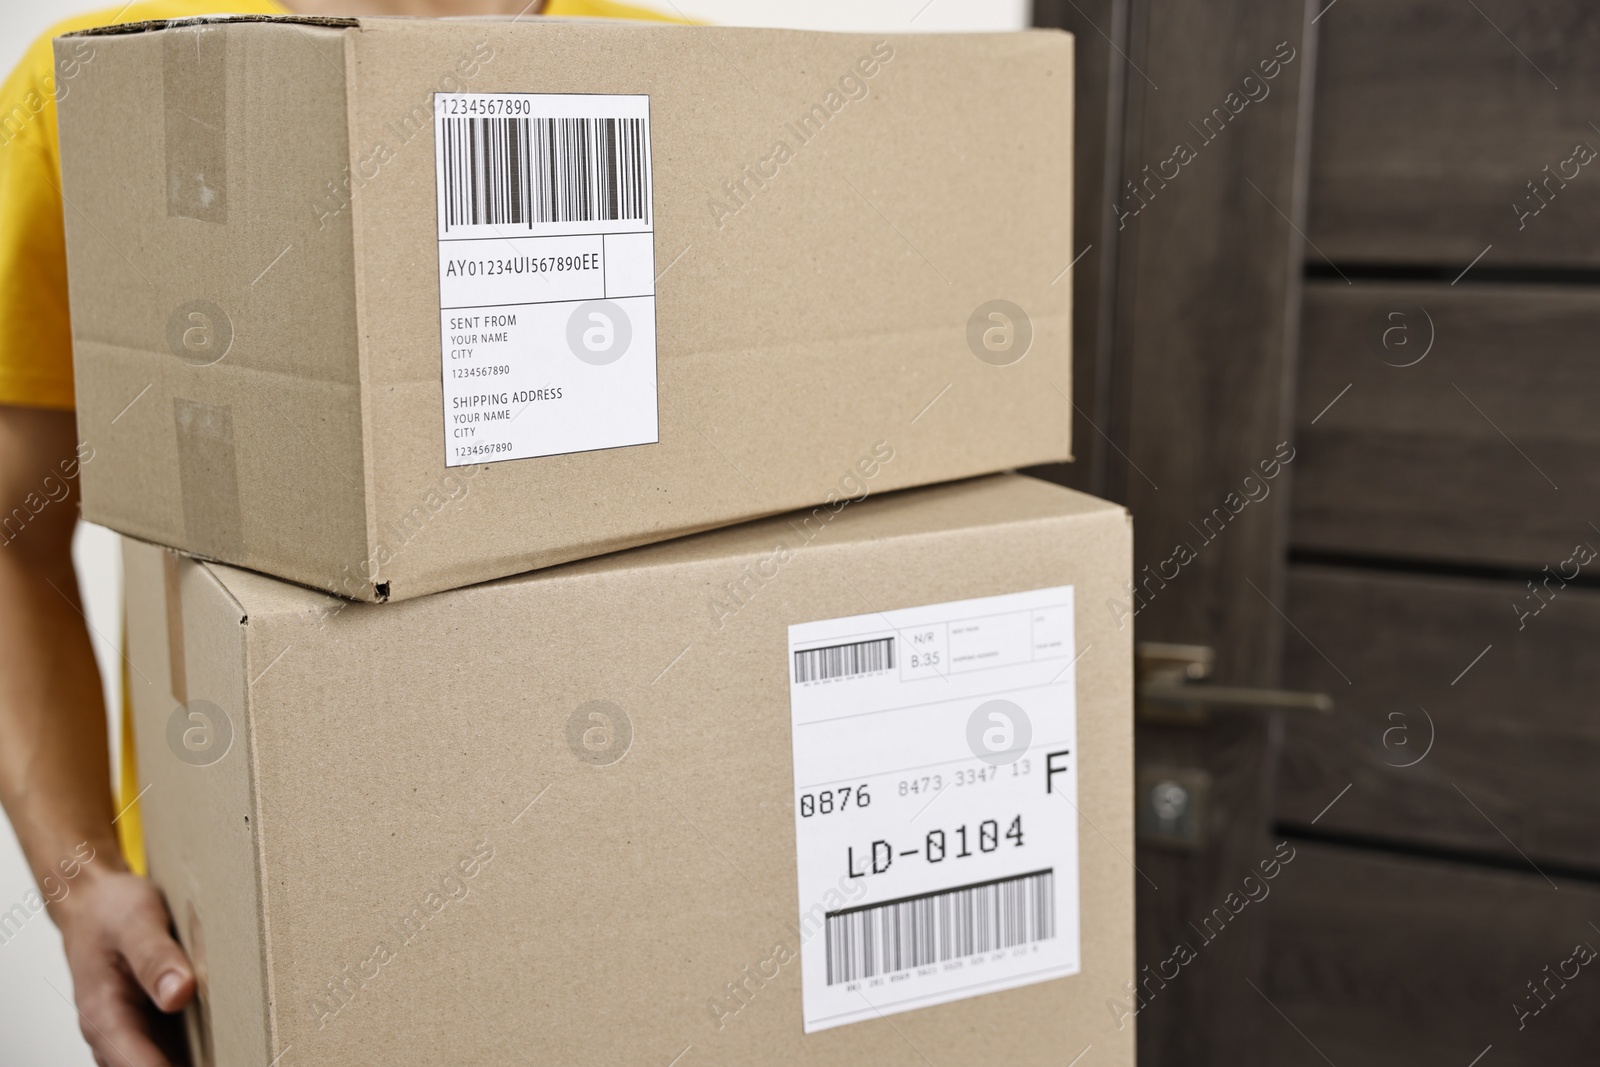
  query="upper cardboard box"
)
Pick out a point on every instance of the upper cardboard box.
point(388, 306)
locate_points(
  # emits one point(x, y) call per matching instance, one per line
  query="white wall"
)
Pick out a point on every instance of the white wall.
point(38, 1028)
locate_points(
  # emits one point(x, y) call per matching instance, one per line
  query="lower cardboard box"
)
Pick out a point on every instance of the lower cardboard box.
point(850, 786)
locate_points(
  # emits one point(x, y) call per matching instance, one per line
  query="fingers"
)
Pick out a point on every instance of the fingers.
point(156, 960)
point(125, 965)
point(112, 1017)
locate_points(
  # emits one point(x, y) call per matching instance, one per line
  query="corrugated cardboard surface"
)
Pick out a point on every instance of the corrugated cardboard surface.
point(827, 314)
point(256, 456)
point(187, 641)
point(379, 747)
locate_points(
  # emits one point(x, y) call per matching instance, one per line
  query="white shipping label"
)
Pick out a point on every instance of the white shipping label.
point(936, 792)
point(547, 307)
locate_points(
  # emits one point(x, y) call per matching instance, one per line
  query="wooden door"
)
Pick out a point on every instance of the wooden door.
point(1386, 256)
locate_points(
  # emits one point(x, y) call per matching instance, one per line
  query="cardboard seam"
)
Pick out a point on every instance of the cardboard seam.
point(361, 384)
point(258, 843)
point(125, 349)
point(258, 837)
point(369, 507)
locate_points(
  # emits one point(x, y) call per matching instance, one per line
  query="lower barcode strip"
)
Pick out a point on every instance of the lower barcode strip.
point(898, 935)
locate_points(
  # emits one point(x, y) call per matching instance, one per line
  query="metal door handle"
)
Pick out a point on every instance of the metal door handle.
point(1171, 688)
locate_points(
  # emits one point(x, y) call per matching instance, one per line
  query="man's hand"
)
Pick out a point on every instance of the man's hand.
point(55, 777)
point(123, 961)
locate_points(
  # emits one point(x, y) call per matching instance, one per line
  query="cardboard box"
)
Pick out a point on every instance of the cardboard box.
point(386, 306)
point(601, 814)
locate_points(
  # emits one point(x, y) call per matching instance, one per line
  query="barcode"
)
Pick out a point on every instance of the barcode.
point(844, 661)
point(522, 171)
point(934, 927)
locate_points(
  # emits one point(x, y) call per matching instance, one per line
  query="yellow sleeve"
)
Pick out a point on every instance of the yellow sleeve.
point(35, 332)
point(35, 328)
point(130, 826)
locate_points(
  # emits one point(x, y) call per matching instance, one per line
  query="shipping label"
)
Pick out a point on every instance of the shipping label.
point(546, 274)
point(936, 792)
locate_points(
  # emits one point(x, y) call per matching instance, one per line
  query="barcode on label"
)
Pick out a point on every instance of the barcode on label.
point(523, 171)
point(950, 924)
point(844, 661)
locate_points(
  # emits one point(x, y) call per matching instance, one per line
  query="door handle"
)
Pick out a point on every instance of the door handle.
point(1171, 688)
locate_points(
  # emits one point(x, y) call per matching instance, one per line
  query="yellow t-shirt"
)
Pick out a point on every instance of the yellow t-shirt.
point(35, 331)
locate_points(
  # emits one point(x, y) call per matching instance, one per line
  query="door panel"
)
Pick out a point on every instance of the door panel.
point(1387, 961)
point(1498, 760)
point(1447, 422)
point(1432, 118)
